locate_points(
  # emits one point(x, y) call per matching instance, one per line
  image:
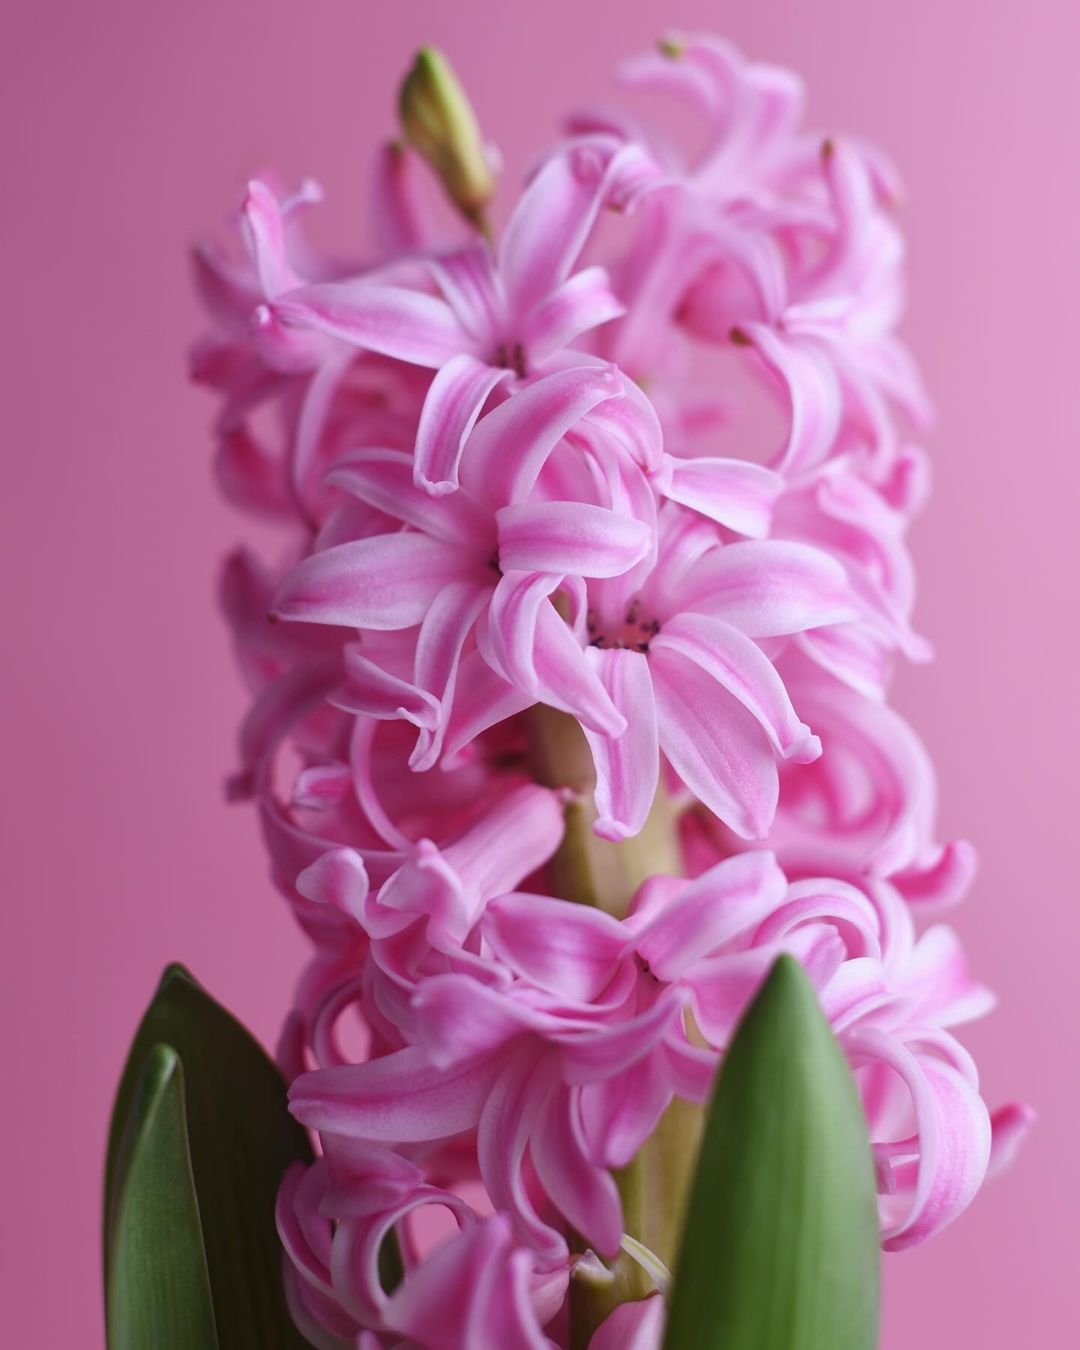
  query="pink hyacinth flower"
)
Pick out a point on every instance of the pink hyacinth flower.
point(490, 555)
point(496, 316)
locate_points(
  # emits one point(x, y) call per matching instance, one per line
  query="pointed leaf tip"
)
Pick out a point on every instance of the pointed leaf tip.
point(150, 1301)
point(780, 1248)
point(238, 1140)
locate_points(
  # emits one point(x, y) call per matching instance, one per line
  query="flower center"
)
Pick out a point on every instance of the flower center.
point(511, 356)
point(634, 633)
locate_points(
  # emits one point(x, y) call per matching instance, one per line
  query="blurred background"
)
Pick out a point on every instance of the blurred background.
point(129, 129)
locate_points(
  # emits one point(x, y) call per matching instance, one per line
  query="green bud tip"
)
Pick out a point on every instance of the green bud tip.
point(439, 123)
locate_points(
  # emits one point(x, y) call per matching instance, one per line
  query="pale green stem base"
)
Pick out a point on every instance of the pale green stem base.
point(596, 872)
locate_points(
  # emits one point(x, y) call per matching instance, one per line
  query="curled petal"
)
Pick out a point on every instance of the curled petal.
point(509, 1121)
point(471, 1293)
point(510, 444)
point(733, 492)
point(585, 301)
point(470, 283)
point(548, 229)
point(620, 1112)
point(384, 479)
point(401, 1098)
point(387, 582)
point(739, 665)
point(583, 1191)
point(627, 766)
point(938, 980)
point(733, 896)
point(715, 746)
point(483, 699)
point(454, 402)
point(569, 538)
point(264, 227)
point(371, 691)
point(338, 879)
point(567, 949)
point(392, 320)
point(813, 392)
point(953, 1139)
point(531, 646)
point(769, 587)
point(518, 834)
point(1010, 1126)
point(460, 1021)
point(442, 636)
point(632, 1326)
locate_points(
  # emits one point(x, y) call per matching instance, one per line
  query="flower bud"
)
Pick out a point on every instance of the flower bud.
point(439, 122)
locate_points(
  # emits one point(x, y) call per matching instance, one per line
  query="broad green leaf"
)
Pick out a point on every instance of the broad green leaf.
point(241, 1139)
point(149, 1301)
point(780, 1246)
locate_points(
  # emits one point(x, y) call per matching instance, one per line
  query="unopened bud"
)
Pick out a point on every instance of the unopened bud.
point(440, 124)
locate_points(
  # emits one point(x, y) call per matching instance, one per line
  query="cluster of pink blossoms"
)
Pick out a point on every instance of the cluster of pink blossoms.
point(497, 464)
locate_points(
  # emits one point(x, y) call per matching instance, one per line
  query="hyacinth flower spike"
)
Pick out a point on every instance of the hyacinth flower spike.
point(671, 843)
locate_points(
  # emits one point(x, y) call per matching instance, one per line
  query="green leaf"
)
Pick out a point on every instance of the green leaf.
point(239, 1140)
point(780, 1247)
point(149, 1301)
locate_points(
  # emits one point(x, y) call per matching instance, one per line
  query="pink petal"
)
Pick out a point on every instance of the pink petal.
point(408, 325)
point(397, 214)
point(515, 836)
point(469, 281)
point(569, 538)
point(612, 1048)
point(813, 395)
point(629, 424)
point(442, 636)
point(620, 1112)
point(632, 1326)
point(715, 746)
point(510, 1119)
point(384, 479)
point(583, 1192)
point(584, 302)
point(387, 582)
point(372, 691)
point(452, 405)
point(1010, 1126)
point(627, 766)
point(733, 896)
point(510, 444)
point(400, 1098)
point(459, 1020)
point(265, 230)
point(938, 979)
point(768, 587)
point(531, 646)
point(739, 665)
point(338, 879)
point(953, 1138)
point(471, 1293)
point(548, 230)
point(483, 699)
point(314, 411)
point(564, 948)
point(733, 492)
point(723, 986)
point(941, 879)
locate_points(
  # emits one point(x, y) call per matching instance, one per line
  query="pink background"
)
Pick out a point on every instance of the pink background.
point(131, 128)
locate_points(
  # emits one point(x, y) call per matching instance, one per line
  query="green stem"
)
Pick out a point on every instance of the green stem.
point(587, 869)
point(594, 871)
